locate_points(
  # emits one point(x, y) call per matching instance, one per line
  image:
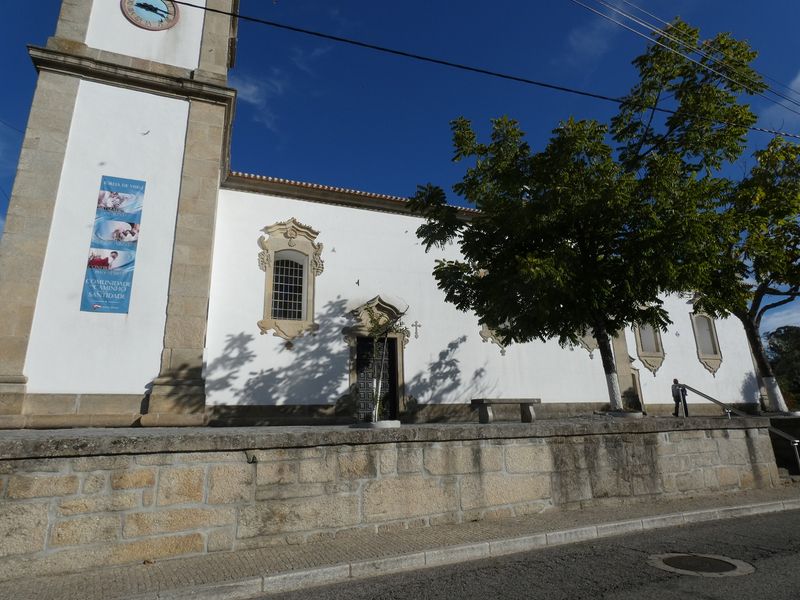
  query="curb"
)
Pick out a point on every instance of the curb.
point(297, 580)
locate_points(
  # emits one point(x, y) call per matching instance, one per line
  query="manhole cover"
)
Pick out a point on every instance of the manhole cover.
point(701, 565)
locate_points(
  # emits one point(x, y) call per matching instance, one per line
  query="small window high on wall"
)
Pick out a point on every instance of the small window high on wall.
point(649, 347)
point(706, 341)
point(291, 259)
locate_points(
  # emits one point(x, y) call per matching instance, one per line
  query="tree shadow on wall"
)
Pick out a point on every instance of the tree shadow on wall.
point(223, 371)
point(190, 384)
point(750, 389)
point(317, 368)
point(440, 379)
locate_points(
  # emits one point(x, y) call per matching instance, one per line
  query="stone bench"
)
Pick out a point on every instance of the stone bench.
point(485, 414)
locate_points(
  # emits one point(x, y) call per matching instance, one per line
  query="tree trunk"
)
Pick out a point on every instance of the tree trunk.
point(609, 367)
point(775, 401)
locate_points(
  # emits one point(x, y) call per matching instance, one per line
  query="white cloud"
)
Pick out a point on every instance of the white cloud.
point(341, 22)
point(303, 60)
point(587, 43)
point(260, 93)
point(777, 117)
point(789, 314)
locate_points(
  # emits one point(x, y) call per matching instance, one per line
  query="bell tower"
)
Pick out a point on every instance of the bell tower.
point(105, 261)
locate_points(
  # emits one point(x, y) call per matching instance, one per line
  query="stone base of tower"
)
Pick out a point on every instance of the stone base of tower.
point(176, 403)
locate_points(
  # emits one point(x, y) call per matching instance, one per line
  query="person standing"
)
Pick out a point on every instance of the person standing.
point(678, 396)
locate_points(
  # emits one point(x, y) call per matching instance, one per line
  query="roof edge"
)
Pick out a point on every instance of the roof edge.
point(325, 194)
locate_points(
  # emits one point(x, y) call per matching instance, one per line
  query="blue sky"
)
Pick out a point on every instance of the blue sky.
point(318, 111)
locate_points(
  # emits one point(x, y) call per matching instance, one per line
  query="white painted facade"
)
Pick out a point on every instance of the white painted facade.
point(369, 253)
point(735, 381)
point(131, 134)
point(121, 133)
point(178, 46)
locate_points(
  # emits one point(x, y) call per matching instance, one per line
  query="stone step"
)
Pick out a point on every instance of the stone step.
point(788, 478)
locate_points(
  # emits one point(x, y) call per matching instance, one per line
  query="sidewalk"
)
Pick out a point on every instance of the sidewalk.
point(250, 573)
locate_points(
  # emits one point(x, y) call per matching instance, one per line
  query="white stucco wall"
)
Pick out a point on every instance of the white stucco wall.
point(366, 253)
point(179, 46)
point(119, 133)
point(735, 381)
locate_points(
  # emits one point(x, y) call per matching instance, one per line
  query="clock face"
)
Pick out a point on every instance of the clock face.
point(154, 15)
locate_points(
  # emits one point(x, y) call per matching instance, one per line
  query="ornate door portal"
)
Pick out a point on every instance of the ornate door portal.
point(368, 369)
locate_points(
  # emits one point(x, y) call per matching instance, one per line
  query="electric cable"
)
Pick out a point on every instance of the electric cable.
point(681, 54)
point(11, 127)
point(454, 65)
point(668, 24)
point(692, 48)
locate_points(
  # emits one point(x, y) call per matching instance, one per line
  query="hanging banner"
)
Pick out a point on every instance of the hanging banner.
point(112, 255)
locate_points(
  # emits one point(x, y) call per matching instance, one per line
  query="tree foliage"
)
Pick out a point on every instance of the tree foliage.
point(584, 237)
point(565, 241)
point(741, 251)
point(688, 108)
point(757, 265)
point(783, 350)
point(754, 262)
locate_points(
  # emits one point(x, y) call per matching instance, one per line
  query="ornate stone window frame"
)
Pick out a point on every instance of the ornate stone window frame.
point(587, 342)
point(711, 362)
point(298, 242)
point(490, 335)
point(385, 313)
point(651, 360)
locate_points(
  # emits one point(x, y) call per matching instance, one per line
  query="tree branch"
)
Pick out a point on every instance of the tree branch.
point(770, 307)
point(755, 304)
point(790, 292)
point(659, 142)
point(649, 123)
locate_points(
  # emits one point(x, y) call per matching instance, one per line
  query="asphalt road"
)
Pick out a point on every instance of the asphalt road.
point(615, 568)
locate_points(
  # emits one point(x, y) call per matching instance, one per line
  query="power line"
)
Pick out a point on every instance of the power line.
point(11, 127)
point(446, 63)
point(691, 47)
point(681, 54)
point(668, 24)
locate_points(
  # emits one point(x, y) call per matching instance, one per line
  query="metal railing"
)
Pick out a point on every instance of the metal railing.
point(794, 442)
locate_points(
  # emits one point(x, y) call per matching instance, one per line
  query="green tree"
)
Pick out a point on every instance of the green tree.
point(741, 242)
point(783, 350)
point(755, 258)
point(565, 242)
point(581, 238)
point(688, 107)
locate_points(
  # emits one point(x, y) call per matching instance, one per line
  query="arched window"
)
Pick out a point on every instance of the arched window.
point(707, 342)
point(291, 260)
point(648, 347)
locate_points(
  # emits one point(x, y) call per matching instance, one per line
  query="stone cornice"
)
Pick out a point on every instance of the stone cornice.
point(93, 442)
point(315, 192)
point(148, 76)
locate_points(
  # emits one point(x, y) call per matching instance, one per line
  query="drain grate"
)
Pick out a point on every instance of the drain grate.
point(701, 565)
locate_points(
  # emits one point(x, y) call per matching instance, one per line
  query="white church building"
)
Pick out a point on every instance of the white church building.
point(145, 282)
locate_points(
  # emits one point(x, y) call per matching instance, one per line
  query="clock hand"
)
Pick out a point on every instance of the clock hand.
point(153, 9)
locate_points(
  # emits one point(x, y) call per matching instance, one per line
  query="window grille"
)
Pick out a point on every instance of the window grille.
point(287, 290)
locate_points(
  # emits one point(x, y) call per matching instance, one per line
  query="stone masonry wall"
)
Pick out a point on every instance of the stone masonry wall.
point(63, 513)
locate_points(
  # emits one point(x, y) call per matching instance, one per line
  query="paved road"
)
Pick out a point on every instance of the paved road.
point(615, 568)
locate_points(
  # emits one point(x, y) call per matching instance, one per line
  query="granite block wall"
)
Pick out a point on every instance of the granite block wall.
point(66, 513)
